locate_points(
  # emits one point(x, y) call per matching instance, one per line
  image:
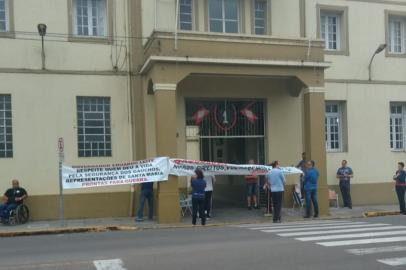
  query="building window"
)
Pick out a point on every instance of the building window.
point(90, 18)
point(6, 131)
point(4, 21)
point(330, 30)
point(397, 124)
point(224, 16)
point(186, 14)
point(333, 126)
point(260, 17)
point(396, 35)
point(94, 131)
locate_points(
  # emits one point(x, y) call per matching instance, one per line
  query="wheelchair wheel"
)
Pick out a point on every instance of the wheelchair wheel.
point(22, 214)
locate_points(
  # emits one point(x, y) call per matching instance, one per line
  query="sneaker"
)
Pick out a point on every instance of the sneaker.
point(208, 216)
point(306, 217)
point(316, 216)
point(256, 207)
point(139, 219)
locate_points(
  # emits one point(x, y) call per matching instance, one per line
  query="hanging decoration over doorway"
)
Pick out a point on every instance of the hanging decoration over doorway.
point(247, 112)
point(225, 116)
point(199, 116)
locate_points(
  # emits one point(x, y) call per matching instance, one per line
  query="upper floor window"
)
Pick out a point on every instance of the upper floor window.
point(90, 18)
point(330, 30)
point(6, 131)
point(94, 130)
point(224, 16)
point(397, 126)
point(4, 20)
point(396, 34)
point(333, 126)
point(333, 28)
point(260, 17)
point(186, 14)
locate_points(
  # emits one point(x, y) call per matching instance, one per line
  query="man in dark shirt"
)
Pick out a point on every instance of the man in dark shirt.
point(400, 178)
point(12, 198)
point(344, 175)
point(147, 193)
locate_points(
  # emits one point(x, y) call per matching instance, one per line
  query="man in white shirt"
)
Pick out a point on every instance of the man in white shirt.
point(210, 180)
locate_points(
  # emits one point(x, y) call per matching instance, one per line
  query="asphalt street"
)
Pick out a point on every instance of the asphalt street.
point(374, 243)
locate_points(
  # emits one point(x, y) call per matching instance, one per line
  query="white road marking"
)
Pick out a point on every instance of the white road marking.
point(316, 228)
point(367, 251)
point(376, 228)
point(114, 264)
point(362, 241)
point(353, 235)
point(289, 223)
point(305, 225)
point(394, 261)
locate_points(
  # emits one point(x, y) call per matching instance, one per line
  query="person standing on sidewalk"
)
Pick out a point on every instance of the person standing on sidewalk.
point(310, 185)
point(252, 183)
point(400, 178)
point(276, 182)
point(344, 175)
point(147, 193)
point(302, 166)
point(198, 197)
point(208, 194)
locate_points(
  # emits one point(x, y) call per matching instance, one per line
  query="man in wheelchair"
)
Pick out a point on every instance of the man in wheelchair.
point(12, 199)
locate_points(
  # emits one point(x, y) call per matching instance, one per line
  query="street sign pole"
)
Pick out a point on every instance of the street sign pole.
point(61, 158)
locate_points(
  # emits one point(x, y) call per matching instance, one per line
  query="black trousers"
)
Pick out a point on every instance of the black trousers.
point(346, 193)
point(198, 205)
point(207, 201)
point(277, 205)
point(400, 191)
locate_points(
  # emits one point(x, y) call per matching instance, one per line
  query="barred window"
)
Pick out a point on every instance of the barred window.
point(224, 16)
point(94, 131)
point(333, 126)
point(6, 131)
point(397, 35)
point(396, 126)
point(185, 14)
point(260, 17)
point(4, 16)
point(90, 18)
point(330, 30)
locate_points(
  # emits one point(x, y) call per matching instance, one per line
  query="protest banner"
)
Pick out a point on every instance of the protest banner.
point(183, 167)
point(150, 170)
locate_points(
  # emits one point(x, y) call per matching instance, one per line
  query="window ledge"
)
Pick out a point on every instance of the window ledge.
point(398, 150)
point(7, 35)
point(90, 39)
point(395, 55)
point(338, 52)
point(335, 151)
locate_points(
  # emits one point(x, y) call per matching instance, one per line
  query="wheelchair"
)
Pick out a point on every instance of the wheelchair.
point(19, 215)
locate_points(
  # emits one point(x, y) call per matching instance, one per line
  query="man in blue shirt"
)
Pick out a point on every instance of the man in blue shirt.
point(276, 182)
point(400, 178)
point(344, 175)
point(310, 185)
point(147, 193)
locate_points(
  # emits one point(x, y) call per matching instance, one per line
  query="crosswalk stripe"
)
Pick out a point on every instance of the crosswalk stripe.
point(353, 235)
point(367, 251)
point(377, 227)
point(114, 264)
point(305, 225)
point(315, 228)
point(362, 241)
point(310, 222)
point(394, 261)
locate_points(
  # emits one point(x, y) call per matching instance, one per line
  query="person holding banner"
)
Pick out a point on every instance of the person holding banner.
point(198, 197)
point(310, 186)
point(210, 180)
point(147, 193)
point(252, 182)
point(276, 182)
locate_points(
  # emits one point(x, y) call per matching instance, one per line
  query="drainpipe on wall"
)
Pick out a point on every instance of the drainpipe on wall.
point(176, 24)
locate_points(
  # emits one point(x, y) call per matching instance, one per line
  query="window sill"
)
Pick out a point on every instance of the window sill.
point(335, 151)
point(90, 39)
point(7, 35)
point(341, 52)
point(395, 55)
point(398, 150)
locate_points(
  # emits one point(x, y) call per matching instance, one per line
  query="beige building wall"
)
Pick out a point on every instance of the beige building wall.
point(44, 104)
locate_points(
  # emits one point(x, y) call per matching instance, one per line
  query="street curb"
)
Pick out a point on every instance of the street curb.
point(95, 229)
point(381, 213)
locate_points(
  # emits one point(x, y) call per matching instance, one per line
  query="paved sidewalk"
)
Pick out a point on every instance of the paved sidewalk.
point(219, 217)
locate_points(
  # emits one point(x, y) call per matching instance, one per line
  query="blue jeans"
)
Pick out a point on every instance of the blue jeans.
point(6, 208)
point(311, 197)
point(146, 195)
